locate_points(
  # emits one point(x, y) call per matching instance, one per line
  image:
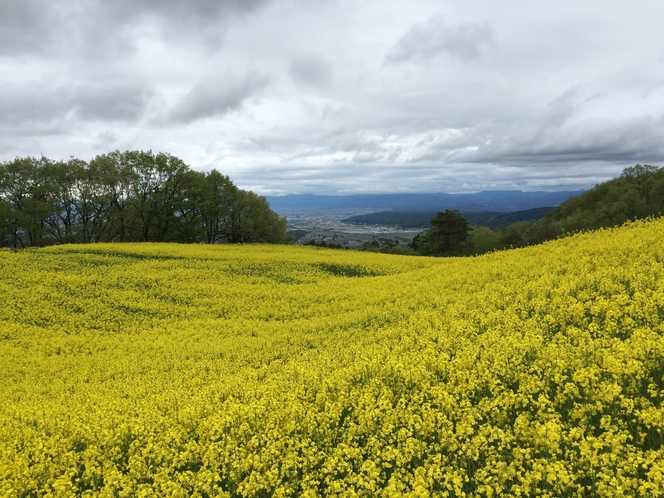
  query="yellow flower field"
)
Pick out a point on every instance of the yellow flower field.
point(173, 370)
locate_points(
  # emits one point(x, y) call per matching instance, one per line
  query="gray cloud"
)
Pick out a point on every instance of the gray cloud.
point(79, 27)
point(122, 102)
point(349, 178)
point(373, 96)
point(196, 12)
point(310, 70)
point(434, 37)
point(623, 142)
point(43, 102)
point(107, 140)
point(215, 97)
point(517, 144)
point(20, 22)
point(331, 146)
point(367, 157)
point(32, 103)
point(207, 20)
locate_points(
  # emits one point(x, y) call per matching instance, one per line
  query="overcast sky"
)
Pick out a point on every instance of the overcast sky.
point(342, 96)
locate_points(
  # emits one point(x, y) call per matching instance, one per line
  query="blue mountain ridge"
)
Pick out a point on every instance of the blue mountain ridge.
point(490, 200)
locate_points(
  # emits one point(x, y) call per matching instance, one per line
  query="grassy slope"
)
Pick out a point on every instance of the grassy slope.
point(255, 371)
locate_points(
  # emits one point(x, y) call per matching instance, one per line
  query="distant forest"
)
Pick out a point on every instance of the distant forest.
point(132, 196)
point(636, 194)
point(422, 219)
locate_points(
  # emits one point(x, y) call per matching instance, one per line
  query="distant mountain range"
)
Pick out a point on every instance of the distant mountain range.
point(422, 219)
point(491, 200)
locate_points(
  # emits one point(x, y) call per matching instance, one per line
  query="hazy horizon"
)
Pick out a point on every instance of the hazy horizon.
point(430, 193)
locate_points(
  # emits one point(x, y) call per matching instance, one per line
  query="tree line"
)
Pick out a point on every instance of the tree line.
point(131, 196)
point(636, 194)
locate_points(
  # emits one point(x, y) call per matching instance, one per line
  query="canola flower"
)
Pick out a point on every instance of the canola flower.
point(172, 370)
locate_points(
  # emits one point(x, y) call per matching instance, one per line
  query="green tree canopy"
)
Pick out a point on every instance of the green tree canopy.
point(446, 237)
point(127, 196)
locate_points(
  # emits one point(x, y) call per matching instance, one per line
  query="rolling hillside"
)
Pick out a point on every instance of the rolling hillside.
point(207, 370)
point(422, 219)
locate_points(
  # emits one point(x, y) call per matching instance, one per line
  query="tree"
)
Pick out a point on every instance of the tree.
point(127, 196)
point(23, 185)
point(92, 203)
point(111, 178)
point(637, 193)
point(251, 220)
point(5, 225)
point(217, 198)
point(15, 185)
point(518, 234)
point(483, 239)
point(188, 206)
point(64, 179)
point(167, 199)
point(153, 189)
point(446, 237)
point(644, 178)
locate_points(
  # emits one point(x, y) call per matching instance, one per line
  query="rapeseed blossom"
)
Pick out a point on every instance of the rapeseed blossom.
point(173, 370)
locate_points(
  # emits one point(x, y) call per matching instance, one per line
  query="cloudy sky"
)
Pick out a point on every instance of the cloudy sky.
point(342, 96)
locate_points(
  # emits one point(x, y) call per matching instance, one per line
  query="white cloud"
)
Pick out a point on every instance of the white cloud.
point(215, 97)
point(435, 37)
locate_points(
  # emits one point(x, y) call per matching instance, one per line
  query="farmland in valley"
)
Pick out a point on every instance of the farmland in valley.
point(222, 370)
